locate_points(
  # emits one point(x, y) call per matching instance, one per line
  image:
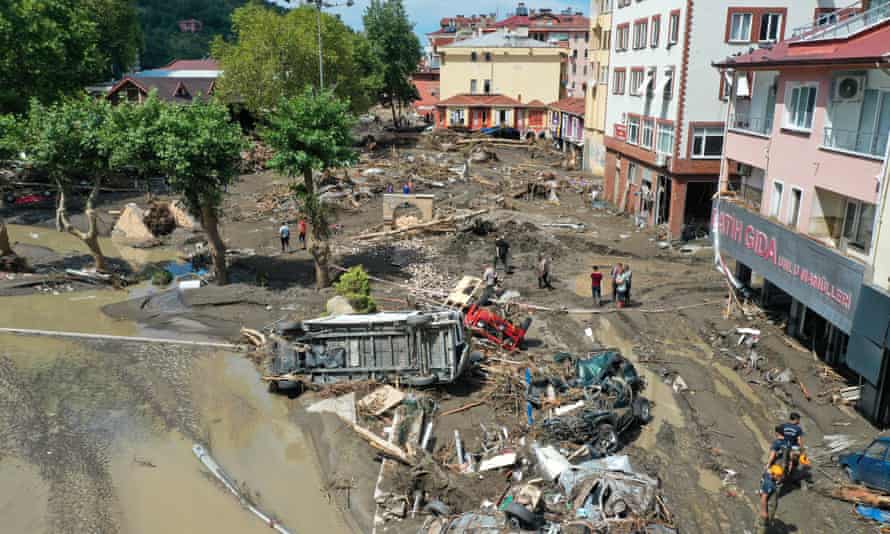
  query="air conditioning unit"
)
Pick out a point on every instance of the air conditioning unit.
point(662, 160)
point(849, 88)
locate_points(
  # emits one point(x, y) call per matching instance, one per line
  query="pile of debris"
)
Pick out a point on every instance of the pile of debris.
point(146, 227)
point(256, 158)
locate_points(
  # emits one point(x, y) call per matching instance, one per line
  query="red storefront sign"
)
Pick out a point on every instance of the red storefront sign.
point(621, 132)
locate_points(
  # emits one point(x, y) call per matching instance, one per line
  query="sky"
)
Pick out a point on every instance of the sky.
point(426, 13)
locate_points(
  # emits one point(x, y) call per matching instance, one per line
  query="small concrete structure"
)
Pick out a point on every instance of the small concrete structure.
point(392, 202)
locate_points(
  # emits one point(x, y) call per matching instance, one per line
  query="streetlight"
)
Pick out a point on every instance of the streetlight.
point(319, 4)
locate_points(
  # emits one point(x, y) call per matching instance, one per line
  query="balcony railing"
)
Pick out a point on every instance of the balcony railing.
point(867, 143)
point(748, 123)
point(826, 19)
point(851, 25)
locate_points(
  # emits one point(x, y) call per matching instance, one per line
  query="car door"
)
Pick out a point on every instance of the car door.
point(871, 467)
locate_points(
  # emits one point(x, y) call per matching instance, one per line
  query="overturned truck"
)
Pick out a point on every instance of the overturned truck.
point(413, 348)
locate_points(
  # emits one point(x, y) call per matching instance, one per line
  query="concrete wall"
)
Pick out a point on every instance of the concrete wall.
point(522, 73)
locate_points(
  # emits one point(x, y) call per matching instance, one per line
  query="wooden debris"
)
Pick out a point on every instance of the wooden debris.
point(254, 337)
point(387, 448)
point(422, 226)
point(860, 495)
point(463, 408)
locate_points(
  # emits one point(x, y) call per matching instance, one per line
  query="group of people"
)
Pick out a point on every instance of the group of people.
point(284, 235)
point(622, 277)
point(786, 449)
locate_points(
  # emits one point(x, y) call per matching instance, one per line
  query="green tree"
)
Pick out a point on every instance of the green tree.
point(392, 36)
point(10, 145)
point(199, 149)
point(274, 55)
point(355, 286)
point(64, 141)
point(311, 132)
point(54, 48)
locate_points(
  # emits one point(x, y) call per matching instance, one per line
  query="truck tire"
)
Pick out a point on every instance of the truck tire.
point(606, 440)
point(418, 320)
point(524, 518)
point(420, 381)
point(642, 409)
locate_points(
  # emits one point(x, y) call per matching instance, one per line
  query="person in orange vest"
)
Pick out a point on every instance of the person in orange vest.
point(301, 227)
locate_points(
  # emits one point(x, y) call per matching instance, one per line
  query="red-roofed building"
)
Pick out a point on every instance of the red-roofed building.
point(427, 84)
point(475, 112)
point(567, 124)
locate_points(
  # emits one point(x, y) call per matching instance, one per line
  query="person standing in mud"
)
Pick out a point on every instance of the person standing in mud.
point(502, 250)
point(616, 270)
point(628, 277)
point(596, 285)
point(284, 234)
point(543, 271)
point(301, 228)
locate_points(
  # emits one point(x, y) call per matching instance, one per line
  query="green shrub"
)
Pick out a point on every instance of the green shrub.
point(355, 286)
point(161, 277)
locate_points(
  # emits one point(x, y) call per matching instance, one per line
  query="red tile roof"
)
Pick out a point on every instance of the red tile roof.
point(536, 104)
point(573, 105)
point(866, 47)
point(192, 64)
point(480, 100)
point(429, 95)
point(537, 22)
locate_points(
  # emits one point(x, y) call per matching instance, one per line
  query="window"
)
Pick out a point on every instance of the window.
point(641, 33)
point(775, 200)
point(622, 36)
point(668, 82)
point(674, 28)
point(486, 86)
point(794, 212)
point(502, 116)
point(474, 56)
point(665, 144)
point(631, 172)
point(575, 54)
point(473, 87)
point(636, 81)
point(457, 116)
point(800, 102)
point(740, 27)
point(648, 133)
point(707, 142)
point(585, 53)
point(859, 220)
point(618, 81)
point(656, 30)
point(874, 124)
point(604, 76)
point(633, 130)
point(770, 24)
point(487, 56)
point(574, 68)
point(606, 40)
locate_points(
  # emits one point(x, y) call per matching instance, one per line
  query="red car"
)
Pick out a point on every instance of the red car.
point(493, 327)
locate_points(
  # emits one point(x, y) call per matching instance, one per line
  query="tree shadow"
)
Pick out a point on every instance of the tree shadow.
point(386, 261)
point(82, 262)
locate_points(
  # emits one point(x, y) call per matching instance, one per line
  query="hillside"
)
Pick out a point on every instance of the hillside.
point(162, 39)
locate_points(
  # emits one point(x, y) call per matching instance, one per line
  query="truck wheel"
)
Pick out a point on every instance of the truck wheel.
point(520, 516)
point(849, 471)
point(642, 409)
point(606, 441)
point(421, 381)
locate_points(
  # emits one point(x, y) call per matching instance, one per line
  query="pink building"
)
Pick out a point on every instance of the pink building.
point(803, 161)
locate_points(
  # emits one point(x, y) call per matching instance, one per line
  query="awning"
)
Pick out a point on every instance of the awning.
point(665, 80)
point(646, 81)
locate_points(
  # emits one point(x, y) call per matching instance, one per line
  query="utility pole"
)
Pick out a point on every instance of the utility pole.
point(320, 4)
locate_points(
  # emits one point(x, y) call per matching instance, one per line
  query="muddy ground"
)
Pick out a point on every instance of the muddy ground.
point(98, 433)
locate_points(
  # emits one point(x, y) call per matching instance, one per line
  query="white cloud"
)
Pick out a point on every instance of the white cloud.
point(426, 13)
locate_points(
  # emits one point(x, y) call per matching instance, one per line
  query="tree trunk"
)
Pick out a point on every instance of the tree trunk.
point(392, 104)
point(91, 236)
point(318, 244)
point(5, 247)
point(217, 248)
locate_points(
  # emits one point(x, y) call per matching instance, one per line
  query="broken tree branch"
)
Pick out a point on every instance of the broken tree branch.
point(420, 226)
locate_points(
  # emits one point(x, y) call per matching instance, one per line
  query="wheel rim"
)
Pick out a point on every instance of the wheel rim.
point(644, 411)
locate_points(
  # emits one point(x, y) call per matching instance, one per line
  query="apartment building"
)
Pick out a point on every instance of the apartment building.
point(501, 63)
point(666, 106)
point(452, 29)
point(804, 181)
point(567, 126)
point(598, 92)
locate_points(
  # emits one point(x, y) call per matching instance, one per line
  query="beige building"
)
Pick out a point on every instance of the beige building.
point(502, 64)
point(597, 94)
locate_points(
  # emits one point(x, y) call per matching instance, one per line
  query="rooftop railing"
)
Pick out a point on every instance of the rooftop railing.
point(851, 25)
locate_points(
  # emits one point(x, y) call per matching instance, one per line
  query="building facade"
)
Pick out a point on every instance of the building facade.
point(803, 183)
point(453, 29)
point(598, 92)
point(475, 112)
point(520, 68)
point(666, 106)
point(567, 126)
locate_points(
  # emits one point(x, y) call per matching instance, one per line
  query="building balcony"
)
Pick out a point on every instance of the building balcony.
point(851, 24)
point(868, 144)
point(743, 122)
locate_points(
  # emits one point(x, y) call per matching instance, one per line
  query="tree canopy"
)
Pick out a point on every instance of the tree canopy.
point(53, 48)
point(397, 47)
point(274, 55)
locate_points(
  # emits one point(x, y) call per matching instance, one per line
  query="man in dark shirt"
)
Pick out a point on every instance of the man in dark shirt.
point(502, 248)
point(791, 431)
point(778, 445)
point(596, 285)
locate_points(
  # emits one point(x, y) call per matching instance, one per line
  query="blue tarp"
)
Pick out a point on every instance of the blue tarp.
point(875, 514)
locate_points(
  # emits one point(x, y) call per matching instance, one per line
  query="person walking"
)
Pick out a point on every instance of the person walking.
point(596, 285)
point(543, 269)
point(502, 250)
point(301, 229)
point(406, 188)
point(628, 278)
point(284, 234)
point(616, 270)
point(621, 282)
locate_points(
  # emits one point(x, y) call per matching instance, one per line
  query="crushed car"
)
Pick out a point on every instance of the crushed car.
point(417, 348)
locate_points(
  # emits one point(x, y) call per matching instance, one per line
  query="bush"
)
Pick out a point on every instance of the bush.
point(161, 277)
point(355, 286)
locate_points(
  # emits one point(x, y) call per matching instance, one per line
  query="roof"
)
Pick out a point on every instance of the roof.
point(192, 64)
point(481, 100)
point(500, 40)
point(429, 94)
point(539, 22)
point(572, 105)
point(866, 47)
point(167, 87)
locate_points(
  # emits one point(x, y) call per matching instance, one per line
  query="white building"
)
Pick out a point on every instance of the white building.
point(666, 104)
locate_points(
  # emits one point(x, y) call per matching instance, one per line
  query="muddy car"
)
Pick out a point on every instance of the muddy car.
point(417, 348)
point(598, 424)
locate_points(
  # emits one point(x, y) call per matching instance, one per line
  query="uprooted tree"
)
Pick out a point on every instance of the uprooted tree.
point(199, 148)
point(308, 133)
point(64, 141)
